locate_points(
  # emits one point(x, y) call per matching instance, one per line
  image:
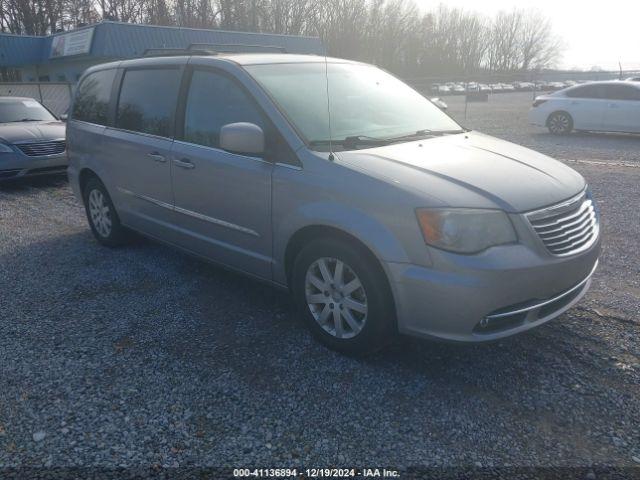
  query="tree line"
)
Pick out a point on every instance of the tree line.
point(394, 34)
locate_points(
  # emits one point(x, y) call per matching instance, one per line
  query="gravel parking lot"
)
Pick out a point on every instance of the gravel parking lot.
point(144, 356)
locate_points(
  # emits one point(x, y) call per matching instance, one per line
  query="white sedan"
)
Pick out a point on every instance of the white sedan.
point(598, 106)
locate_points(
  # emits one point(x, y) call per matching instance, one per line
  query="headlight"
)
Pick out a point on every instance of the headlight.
point(4, 148)
point(464, 230)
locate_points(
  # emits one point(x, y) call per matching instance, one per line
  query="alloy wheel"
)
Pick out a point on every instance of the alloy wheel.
point(100, 213)
point(559, 123)
point(336, 297)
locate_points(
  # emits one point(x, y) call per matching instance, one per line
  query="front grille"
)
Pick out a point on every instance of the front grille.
point(41, 149)
point(567, 228)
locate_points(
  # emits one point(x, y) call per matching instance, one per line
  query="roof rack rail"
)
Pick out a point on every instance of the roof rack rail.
point(172, 52)
point(214, 48)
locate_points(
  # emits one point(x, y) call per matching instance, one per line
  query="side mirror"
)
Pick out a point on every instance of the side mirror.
point(243, 138)
point(438, 102)
point(64, 117)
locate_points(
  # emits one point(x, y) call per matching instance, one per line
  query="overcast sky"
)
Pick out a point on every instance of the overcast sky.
point(595, 32)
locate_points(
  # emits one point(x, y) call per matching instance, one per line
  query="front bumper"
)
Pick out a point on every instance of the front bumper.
point(538, 117)
point(17, 165)
point(501, 292)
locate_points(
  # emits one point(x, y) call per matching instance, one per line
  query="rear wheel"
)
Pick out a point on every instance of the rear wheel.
point(103, 218)
point(560, 123)
point(343, 297)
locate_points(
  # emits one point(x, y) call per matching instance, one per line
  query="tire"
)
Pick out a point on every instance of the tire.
point(334, 313)
point(560, 123)
point(105, 226)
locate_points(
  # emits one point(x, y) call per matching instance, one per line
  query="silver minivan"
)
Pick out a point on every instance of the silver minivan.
point(339, 182)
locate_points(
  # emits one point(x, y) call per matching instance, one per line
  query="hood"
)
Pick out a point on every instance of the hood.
point(31, 131)
point(470, 170)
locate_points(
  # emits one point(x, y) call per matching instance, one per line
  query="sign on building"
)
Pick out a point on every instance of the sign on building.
point(73, 43)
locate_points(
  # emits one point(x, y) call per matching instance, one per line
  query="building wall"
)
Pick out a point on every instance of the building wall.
point(115, 40)
point(59, 71)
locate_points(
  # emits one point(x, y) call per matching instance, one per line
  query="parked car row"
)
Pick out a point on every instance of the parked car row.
point(461, 88)
point(378, 214)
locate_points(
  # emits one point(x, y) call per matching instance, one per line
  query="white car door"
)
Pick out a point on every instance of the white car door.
point(586, 106)
point(622, 111)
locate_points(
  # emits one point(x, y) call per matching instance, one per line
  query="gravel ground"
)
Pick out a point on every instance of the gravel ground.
point(144, 356)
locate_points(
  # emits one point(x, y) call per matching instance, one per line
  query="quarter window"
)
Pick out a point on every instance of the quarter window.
point(147, 101)
point(92, 97)
point(213, 101)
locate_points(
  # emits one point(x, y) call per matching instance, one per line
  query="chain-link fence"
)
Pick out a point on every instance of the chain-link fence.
point(55, 96)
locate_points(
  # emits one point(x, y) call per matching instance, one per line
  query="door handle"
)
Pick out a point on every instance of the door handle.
point(157, 157)
point(184, 163)
point(613, 105)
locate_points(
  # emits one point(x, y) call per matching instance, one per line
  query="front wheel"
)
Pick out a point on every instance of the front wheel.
point(560, 123)
point(343, 296)
point(103, 218)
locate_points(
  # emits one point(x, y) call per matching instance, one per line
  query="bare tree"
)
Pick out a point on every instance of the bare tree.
point(540, 47)
point(504, 43)
point(392, 33)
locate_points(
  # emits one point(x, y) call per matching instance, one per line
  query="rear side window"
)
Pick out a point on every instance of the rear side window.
point(586, 91)
point(147, 101)
point(92, 97)
point(215, 100)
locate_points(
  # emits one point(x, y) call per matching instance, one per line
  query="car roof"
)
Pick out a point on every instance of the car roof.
point(241, 59)
point(605, 82)
point(271, 58)
point(16, 99)
point(582, 85)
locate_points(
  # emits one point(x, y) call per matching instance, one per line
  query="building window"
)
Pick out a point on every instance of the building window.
point(10, 74)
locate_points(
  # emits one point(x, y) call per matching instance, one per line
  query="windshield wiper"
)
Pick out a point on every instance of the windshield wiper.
point(351, 140)
point(424, 133)
point(354, 140)
point(25, 120)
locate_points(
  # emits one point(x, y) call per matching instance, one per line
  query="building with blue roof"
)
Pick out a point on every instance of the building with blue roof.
point(62, 57)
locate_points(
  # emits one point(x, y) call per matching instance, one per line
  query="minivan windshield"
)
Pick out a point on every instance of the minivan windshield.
point(27, 110)
point(368, 106)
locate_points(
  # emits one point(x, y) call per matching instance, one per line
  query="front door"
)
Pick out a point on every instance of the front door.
point(586, 106)
point(622, 113)
point(222, 199)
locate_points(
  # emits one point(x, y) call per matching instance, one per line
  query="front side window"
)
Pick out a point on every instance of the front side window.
point(147, 101)
point(23, 110)
point(621, 92)
point(92, 97)
point(364, 101)
point(215, 100)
